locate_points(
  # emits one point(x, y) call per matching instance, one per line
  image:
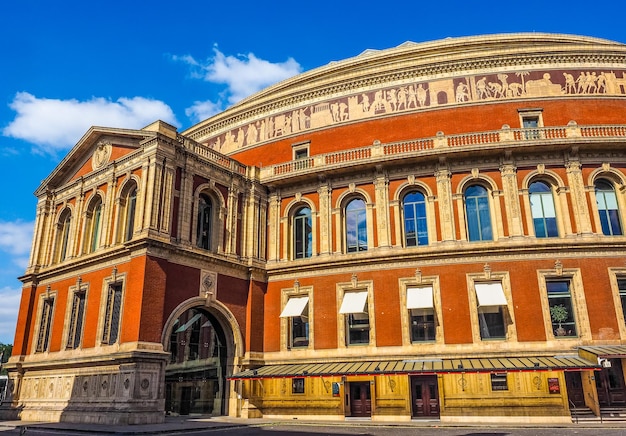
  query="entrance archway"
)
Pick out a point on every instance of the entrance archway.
point(195, 377)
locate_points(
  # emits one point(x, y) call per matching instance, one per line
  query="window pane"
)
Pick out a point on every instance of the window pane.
point(542, 209)
point(491, 324)
point(64, 234)
point(415, 226)
point(422, 325)
point(131, 203)
point(561, 309)
point(300, 330)
point(303, 235)
point(477, 214)
point(358, 325)
point(608, 209)
point(499, 382)
point(95, 226)
point(356, 226)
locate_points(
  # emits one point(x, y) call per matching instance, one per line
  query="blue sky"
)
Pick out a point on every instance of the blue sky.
point(67, 65)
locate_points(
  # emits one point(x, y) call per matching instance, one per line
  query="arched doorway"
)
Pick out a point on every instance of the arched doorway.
point(195, 377)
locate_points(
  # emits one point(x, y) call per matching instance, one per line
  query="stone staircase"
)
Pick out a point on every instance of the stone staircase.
point(609, 414)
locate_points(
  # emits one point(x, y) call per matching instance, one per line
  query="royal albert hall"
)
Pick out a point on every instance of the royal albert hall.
point(431, 231)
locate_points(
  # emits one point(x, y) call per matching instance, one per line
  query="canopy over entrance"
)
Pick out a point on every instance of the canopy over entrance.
point(539, 363)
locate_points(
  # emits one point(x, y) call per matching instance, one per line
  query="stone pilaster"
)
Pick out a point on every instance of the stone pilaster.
point(578, 196)
point(381, 184)
point(511, 193)
point(324, 191)
point(273, 222)
point(444, 194)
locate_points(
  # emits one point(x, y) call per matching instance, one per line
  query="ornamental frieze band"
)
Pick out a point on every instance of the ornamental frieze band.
point(421, 95)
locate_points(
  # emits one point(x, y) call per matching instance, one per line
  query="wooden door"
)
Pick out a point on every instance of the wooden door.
point(574, 386)
point(185, 400)
point(425, 396)
point(360, 399)
point(610, 385)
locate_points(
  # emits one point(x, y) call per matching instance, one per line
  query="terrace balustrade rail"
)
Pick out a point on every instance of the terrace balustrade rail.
point(415, 147)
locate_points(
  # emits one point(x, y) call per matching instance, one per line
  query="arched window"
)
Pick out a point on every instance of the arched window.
point(93, 225)
point(415, 226)
point(63, 235)
point(356, 226)
point(477, 214)
point(302, 233)
point(205, 218)
point(608, 209)
point(130, 205)
point(542, 209)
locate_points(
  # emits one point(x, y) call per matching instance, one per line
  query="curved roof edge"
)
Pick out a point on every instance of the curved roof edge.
point(440, 48)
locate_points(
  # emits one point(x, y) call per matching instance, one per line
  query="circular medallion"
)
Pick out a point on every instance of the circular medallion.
point(101, 155)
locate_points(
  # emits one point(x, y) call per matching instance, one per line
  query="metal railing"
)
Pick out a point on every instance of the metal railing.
point(573, 407)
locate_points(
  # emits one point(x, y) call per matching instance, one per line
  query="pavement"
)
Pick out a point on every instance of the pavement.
point(190, 424)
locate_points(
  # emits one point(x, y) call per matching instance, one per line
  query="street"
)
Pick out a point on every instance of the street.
point(323, 429)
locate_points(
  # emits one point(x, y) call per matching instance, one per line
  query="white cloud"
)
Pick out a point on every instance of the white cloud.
point(243, 75)
point(54, 125)
point(16, 237)
point(201, 110)
point(8, 313)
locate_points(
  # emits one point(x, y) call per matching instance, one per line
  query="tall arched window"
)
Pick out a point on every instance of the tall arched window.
point(130, 205)
point(302, 233)
point(477, 214)
point(356, 226)
point(415, 226)
point(93, 225)
point(608, 208)
point(205, 218)
point(63, 235)
point(542, 209)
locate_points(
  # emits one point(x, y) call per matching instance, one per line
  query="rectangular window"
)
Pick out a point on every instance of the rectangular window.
point(301, 156)
point(491, 301)
point(531, 121)
point(531, 127)
point(561, 309)
point(297, 310)
point(300, 153)
point(45, 325)
point(354, 307)
point(76, 319)
point(112, 314)
point(499, 382)
point(422, 325)
point(419, 301)
point(297, 386)
point(621, 285)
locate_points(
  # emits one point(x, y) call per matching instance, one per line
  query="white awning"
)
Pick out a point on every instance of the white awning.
point(189, 323)
point(490, 294)
point(419, 298)
point(294, 307)
point(354, 302)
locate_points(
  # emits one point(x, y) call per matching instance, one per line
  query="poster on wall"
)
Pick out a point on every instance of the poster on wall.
point(553, 386)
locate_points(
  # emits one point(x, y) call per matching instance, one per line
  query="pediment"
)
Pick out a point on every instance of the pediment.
point(96, 150)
